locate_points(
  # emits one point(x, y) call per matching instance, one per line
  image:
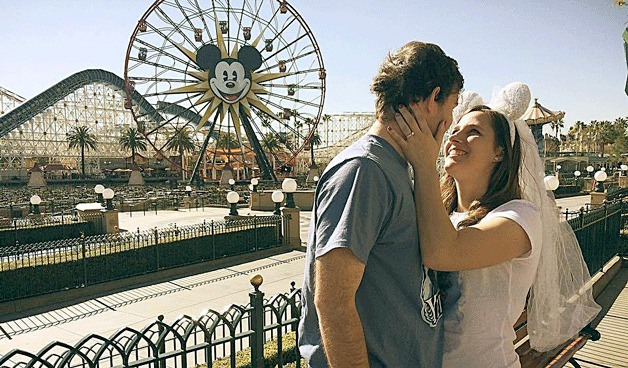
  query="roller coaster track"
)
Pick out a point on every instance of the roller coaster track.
point(57, 92)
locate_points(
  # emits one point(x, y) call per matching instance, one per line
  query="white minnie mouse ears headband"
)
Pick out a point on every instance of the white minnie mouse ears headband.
point(512, 101)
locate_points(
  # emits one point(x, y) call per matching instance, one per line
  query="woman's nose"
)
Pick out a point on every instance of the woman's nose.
point(454, 137)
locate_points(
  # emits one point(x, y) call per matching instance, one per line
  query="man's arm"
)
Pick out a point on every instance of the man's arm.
point(338, 275)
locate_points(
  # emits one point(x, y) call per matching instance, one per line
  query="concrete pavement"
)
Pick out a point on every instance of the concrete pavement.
point(188, 295)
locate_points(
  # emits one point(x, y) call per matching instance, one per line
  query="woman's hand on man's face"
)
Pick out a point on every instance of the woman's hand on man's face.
point(417, 143)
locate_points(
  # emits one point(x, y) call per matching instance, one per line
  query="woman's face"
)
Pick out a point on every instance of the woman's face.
point(471, 151)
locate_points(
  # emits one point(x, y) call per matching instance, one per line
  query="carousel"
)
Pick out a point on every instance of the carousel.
point(536, 116)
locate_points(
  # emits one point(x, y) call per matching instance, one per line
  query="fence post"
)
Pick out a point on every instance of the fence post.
point(566, 214)
point(581, 217)
point(213, 236)
point(162, 346)
point(156, 234)
point(84, 253)
point(294, 311)
point(256, 246)
point(257, 323)
point(14, 230)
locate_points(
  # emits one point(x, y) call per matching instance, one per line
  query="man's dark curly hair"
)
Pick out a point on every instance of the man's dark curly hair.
point(411, 74)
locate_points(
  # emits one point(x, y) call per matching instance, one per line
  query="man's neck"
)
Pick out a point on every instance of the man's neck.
point(379, 129)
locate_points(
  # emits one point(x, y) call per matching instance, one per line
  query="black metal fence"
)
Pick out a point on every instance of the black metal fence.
point(598, 232)
point(260, 334)
point(37, 228)
point(33, 269)
point(215, 339)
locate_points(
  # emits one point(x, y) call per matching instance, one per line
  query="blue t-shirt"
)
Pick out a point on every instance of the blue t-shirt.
point(364, 202)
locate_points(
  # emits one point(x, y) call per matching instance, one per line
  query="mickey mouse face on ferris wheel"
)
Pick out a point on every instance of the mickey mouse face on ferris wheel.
point(229, 78)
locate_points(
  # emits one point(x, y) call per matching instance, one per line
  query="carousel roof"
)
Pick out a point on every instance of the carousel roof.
point(538, 114)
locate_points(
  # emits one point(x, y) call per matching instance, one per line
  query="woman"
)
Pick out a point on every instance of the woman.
point(500, 229)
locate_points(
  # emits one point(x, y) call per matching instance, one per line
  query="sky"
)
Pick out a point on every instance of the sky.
point(569, 52)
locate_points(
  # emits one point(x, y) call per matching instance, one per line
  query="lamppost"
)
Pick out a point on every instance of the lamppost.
point(36, 201)
point(99, 188)
point(188, 190)
point(603, 169)
point(623, 168)
point(558, 167)
point(277, 198)
point(254, 182)
point(289, 186)
point(577, 174)
point(589, 170)
point(107, 195)
point(551, 182)
point(600, 177)
point(315, 179)
point(233, 198)
point(232, 184)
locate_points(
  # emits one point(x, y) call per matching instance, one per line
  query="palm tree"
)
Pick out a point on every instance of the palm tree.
point(181, 142)
point(83, 138)
point(271, 144)
point(227, 140)
point(131, 139)
point(578, 129)
point(611, 131)
point(557, 126)
point(315, 140)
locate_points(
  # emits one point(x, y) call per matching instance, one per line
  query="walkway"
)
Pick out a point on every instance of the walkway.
point(189, 295)
point(137, 308)
point(612, 348)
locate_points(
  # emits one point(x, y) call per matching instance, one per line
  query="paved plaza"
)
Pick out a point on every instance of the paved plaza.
point(184, 296)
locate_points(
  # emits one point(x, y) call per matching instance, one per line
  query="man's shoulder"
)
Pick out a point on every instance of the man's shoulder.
point(365, 151)
point(354, 169)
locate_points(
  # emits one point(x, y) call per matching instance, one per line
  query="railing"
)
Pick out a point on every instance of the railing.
point(37, 228)
point(33, 269)
point(260, 334)
point(215, 339)
point(598, 233)
point(15, 202)
point(37, 221)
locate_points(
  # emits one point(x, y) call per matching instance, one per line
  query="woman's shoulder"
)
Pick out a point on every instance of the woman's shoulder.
point(521, 206)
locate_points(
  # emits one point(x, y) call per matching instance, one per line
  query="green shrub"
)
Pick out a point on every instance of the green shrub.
point(271, 357)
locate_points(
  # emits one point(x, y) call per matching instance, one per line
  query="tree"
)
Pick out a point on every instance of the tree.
point(315, 140)
point(227, 140)
point(181, 142)
point(131, 139)
point(557, 126)
point(595, 130)
point(83, 138)
point(271, 144)
point(578, 130)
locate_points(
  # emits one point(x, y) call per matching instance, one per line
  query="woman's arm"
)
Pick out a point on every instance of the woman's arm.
point(490, 242)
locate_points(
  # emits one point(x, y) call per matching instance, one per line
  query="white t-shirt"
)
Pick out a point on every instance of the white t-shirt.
point(479, 328)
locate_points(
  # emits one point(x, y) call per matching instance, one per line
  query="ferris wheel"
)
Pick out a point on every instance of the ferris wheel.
point(243, 80)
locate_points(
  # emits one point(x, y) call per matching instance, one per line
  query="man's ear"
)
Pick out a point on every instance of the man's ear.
point(431, 99)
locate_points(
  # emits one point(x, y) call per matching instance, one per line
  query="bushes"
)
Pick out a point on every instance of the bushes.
point(271, 356)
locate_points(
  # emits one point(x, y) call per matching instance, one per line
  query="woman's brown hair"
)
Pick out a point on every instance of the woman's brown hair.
point(503, 185)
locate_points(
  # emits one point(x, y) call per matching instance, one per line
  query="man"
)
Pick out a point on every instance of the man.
point(367, 299)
